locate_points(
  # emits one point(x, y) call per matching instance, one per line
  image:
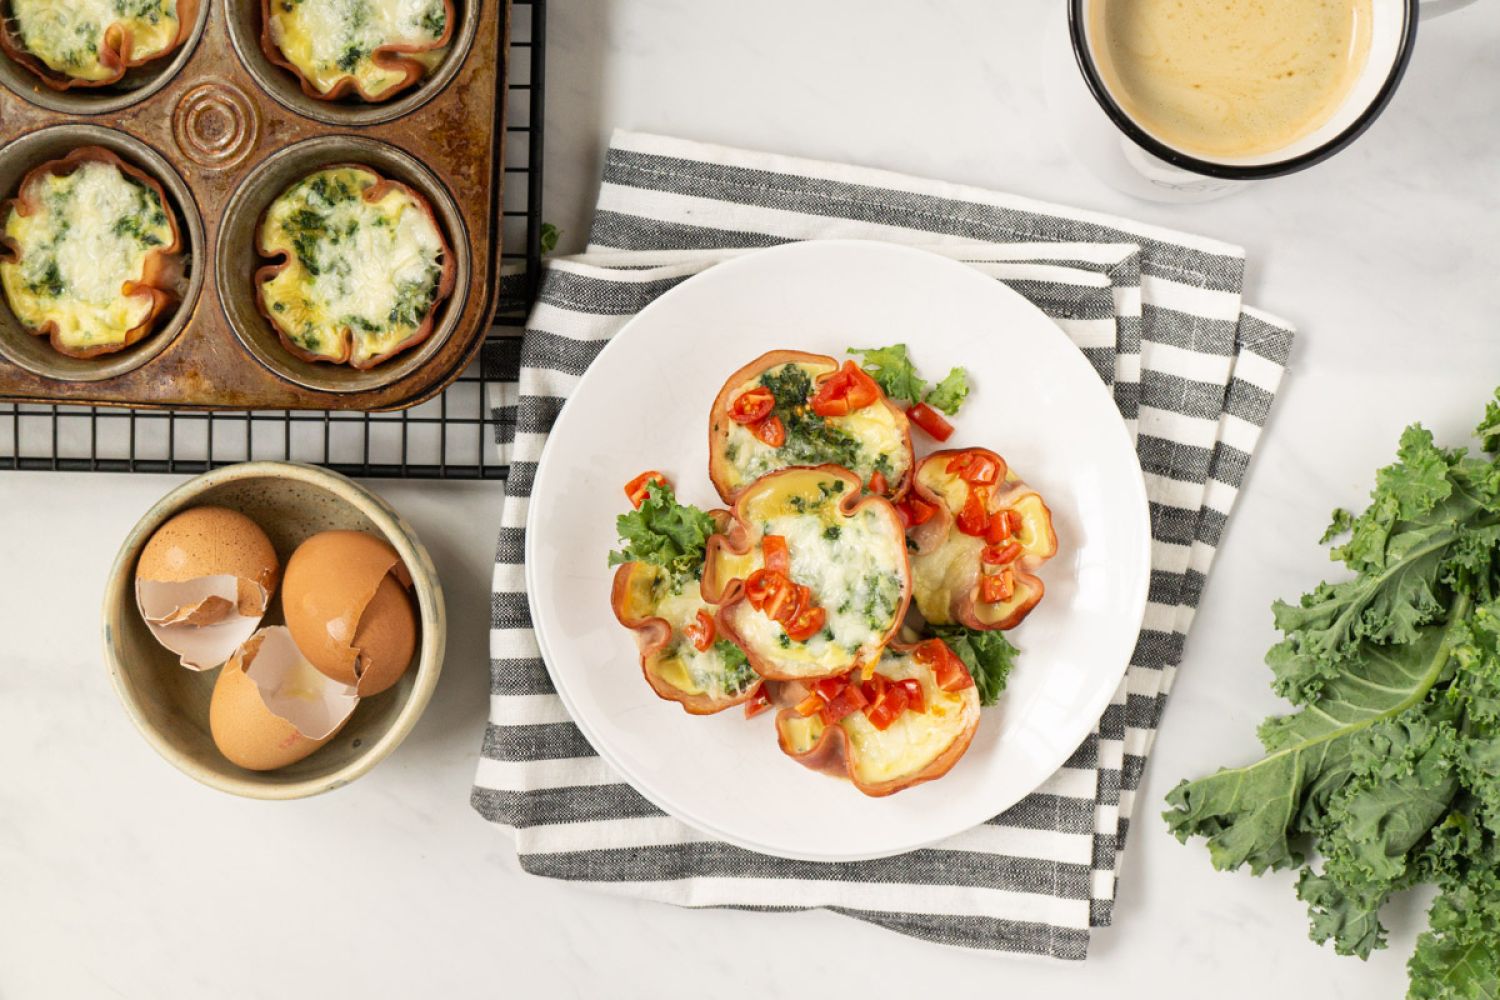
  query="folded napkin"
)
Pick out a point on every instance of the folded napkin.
point(1194, 372)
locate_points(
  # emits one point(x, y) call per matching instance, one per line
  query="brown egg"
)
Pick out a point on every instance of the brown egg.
point(346, 605)
point(270, 708)
point(214, 541)
point(203, 581)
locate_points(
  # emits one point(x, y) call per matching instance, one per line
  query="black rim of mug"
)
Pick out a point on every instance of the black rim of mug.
point(1228, 171)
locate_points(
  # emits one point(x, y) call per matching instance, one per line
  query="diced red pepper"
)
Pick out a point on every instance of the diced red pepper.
point(914, 510)
point(997, 588)
point(998, 530)
point(770, 431)
point(700, 632)
point(974, 517)
point(636, 488)
point(844, 704)
point(752, 405)
point(976, 468)
point(778, 558)
point(888, 707)
point(811, 705)
point(930, 421)
point(878, 483)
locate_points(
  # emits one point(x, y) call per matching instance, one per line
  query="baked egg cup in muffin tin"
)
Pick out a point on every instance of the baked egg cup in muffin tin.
point(226, 132)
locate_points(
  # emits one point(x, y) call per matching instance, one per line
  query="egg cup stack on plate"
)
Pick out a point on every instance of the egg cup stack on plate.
point(205, 581)
point(848, 583)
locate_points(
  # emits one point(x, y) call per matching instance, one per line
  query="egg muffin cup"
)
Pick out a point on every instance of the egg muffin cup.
point(403, 60)
point(161, 266)
point(347, 352)
point(116, 50)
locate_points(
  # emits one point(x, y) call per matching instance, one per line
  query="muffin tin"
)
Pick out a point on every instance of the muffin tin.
point(225, 131)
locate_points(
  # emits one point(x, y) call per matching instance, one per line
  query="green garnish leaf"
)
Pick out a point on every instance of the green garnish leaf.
point(1389, 770)
point(549, 237)
point(665, 533)
point(988, 655)
point(949, 394)
point(893, 371)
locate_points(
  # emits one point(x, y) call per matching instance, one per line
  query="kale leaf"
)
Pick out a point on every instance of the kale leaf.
point(1389, 772)
point(665, 533)
point(892, 369)
point(988, 655)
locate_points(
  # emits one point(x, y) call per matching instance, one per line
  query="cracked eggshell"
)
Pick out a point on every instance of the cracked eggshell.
point(271, 708)
point(347, 605)
point(203, 583)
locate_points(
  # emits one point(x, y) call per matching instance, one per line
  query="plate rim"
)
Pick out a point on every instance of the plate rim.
point(1137, 599)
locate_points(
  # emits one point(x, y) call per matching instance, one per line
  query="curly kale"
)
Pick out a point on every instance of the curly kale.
point(1390, 768)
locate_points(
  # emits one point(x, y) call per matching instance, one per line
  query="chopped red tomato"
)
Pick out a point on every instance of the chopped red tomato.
point(948, 670)
point(878, 483)
point(700, 632)
point(849, 700)
point(829, 687)
point(770, 431)
point(914, 510)
point(811, 705)
point(915, 700)
point(974, 517)
point(807, 623)
point(759, 701)
point(997, 588)
point(931, 421)
point(752, 405)
point(998, 530)
point(976, 468)
point(636, 488)
point(1014, 517)
point(777, 556)
point(888, 707)
point(845, 391)
point(1000, 555)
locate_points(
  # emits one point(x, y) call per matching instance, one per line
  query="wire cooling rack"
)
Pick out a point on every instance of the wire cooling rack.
point(452, 436)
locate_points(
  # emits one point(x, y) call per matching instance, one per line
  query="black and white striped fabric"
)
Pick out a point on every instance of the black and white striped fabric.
point(1194, 372)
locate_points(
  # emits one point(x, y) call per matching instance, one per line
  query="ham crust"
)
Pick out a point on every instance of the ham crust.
point(653, 634)
point(726, 566)
point(963, 603)
point(373, 194)
point(395, 58)
point(719, 423)
point(161, 268)
point(834, 753)
point(115, 51)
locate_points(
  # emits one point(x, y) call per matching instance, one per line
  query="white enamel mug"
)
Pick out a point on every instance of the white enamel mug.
point(1130, 158)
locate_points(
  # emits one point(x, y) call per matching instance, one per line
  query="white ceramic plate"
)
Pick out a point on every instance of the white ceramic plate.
point(644, 405)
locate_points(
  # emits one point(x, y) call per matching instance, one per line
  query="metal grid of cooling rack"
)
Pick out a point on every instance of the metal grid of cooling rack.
point(452, 436)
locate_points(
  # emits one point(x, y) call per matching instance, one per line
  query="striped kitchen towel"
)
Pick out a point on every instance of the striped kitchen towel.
point(1194, 372)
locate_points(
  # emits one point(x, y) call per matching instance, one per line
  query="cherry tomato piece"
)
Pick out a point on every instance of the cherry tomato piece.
point(700, 632)
point(752, 405)
point(770, 431)
point(636, 488)
point(759, 701)
point(933, 423)
point(879, 484)
point(916, 701)
point(778, 557)
point(1000, 555)
point(808, 623)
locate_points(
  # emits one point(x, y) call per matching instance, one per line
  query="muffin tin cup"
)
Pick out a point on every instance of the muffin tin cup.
point(283, 86)
point(33, 352)
point(237, 259)
point(138, 83)
point(226, 131)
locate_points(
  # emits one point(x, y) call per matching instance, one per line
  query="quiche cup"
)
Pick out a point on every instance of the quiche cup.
point(142, 240)
point(875, 438)
point(364, 267)
point(374, 65)
point(917, 746)
point(659, 610)
point(846, 550)
point(949, 564)
point(121, 41)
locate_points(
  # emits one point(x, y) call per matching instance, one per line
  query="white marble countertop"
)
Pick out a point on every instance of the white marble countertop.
point(121, 877)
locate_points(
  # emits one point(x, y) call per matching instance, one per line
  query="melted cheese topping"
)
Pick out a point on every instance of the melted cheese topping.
point(854, 566)
point(951, 571)
point(332, 40)
point(355, 268)
point(911, 743)
point(88, 234)
point(680, 663)
point(876, 442)
point(66, 35)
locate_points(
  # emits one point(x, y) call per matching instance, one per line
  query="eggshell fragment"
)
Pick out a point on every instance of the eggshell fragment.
point(271, 708)
point(203, 582)
point(346, 604)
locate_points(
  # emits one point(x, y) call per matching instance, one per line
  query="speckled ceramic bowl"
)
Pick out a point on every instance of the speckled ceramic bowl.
point(169, 703)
